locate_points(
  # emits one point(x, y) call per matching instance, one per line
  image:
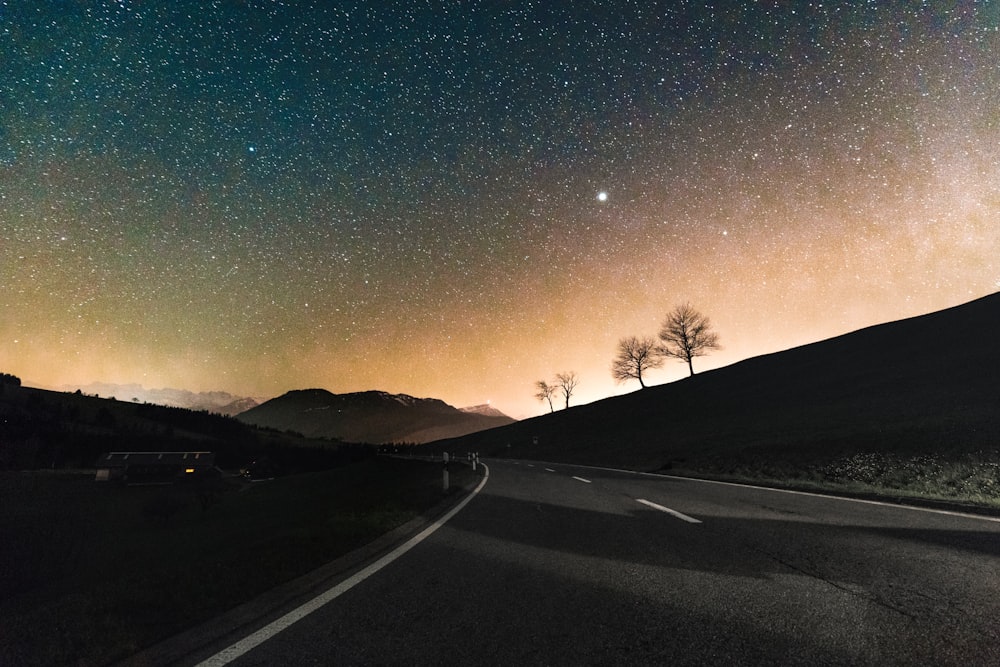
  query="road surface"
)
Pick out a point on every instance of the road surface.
point(556, 564)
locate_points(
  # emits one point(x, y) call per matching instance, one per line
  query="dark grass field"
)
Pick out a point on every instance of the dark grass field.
point(91, 573)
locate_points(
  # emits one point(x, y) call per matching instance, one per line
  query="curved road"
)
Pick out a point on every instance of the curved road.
point(558, 564)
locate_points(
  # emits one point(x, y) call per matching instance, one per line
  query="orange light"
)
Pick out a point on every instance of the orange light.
point(188, 470)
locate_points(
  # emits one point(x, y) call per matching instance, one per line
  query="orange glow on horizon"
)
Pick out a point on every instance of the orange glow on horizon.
point(470, 220)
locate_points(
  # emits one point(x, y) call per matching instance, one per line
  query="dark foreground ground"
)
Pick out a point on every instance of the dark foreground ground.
point(552, 564)
point(91, 573)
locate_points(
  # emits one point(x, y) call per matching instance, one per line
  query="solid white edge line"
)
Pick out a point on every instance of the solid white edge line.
point(865, 501)
point(257, 638)
point(581, 479)
point(679, 515)
point(915, 508)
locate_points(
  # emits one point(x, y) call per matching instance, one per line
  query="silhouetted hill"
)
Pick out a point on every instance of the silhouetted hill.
point(926, 384)
point(48, 429)
point(371, 416)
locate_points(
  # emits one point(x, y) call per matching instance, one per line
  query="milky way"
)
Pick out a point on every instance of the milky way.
point(261, 196)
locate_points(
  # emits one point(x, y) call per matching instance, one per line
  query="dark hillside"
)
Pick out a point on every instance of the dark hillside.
point(930, 384)
point(56, 430)
point(369, 416)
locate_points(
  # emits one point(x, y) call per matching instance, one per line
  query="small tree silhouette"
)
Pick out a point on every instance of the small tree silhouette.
point(566, 383)
point(545, 393)
point(687, 334)
point(636, 356)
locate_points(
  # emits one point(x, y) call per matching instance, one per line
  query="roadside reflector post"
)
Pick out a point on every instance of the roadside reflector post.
point(446, 484)
point(474, 459)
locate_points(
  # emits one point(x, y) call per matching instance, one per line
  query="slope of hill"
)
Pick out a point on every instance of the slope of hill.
point(371, 416)
point(925, 386)
point(56, 430)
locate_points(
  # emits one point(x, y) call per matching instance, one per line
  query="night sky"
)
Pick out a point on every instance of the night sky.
point(262, 196)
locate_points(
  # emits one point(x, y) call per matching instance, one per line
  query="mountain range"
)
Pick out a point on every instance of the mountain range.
point(374, 417)
point(924, 386)
point(212, 401)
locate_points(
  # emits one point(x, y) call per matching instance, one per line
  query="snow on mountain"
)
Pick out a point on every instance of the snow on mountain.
point(212, 401)
point(485, 410)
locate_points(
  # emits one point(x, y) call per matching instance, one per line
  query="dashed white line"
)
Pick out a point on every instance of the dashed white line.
point(549, 470)
point(581, 479)
point(679, 515)
point(814, 494)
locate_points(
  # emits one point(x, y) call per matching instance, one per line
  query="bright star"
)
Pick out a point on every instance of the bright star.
point(602, 196)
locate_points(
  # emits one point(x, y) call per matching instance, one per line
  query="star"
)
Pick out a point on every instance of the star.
point(792, 177)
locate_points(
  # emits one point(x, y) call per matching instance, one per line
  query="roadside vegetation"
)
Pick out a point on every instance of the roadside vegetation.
point(970, 478)
point(92, 573)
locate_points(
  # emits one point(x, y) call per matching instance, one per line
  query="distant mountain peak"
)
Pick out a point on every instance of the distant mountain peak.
point(211, 401)
point(369, 416)
point(485, 409)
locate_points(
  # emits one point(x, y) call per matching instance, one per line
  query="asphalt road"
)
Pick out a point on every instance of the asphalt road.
point(555, 564)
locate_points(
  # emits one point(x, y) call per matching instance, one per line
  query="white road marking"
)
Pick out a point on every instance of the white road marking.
point(679, 515)
point(864, 501)
point(250, 642)
point(586, 481)
point(549, 470)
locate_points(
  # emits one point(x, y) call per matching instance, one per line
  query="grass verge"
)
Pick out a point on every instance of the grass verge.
point(969, 479)
point(92, 573)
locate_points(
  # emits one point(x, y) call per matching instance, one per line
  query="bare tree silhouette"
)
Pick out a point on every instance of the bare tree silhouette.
point(687, 334)
point(636, 356)
point(545, 393)
point(566, 383)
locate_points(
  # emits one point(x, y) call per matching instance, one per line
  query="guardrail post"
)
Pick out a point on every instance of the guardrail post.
point(446, 482)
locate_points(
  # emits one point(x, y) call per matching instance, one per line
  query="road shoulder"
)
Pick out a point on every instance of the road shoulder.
point(203, 640)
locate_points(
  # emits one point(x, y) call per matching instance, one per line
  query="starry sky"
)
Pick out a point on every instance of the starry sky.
point(261, 196)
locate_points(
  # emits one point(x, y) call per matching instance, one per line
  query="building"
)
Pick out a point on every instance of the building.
point(153, 467)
